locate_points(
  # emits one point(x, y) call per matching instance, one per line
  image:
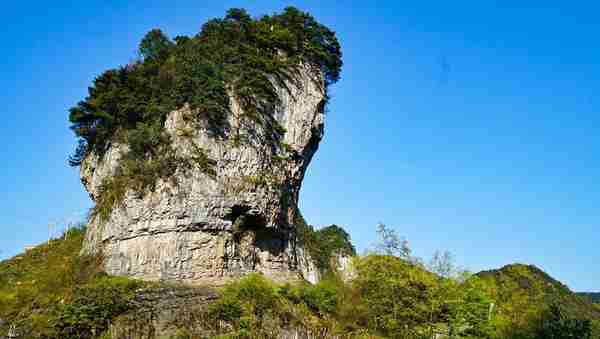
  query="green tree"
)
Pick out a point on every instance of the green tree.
point(155, 45)
point(239, 15)
point(557, 324)
point(395, 294)
point(469, 307)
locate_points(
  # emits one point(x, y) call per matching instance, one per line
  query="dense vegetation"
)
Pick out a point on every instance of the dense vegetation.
point(526, 298)
point(387, 298)
point(52, 292)
point(325, 244)
point(390, 297)
point(236, 55)
point(592, 296)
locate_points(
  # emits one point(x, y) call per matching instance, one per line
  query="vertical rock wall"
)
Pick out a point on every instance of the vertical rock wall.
point(204, 228)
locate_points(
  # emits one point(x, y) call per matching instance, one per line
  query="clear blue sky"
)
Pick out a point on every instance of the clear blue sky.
point(466, 126)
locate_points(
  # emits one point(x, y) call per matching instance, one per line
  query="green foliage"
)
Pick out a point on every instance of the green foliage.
point(80, 152)
point(182, 334)
point(592, 296)
point(465, 306)
point(388, 297)
point(247, 305)
point(149, 159)
point(523, 294)
point(53, 292)
point(395, 294)
point(323, 244)
point(557, 324)
point(155, 46)
point(205, 163)
point(321, 297)
point(228, 308)
point(253, 294)
point(44, 274)
point(397, 298)
point(93, 306)
point(255, 307)
point(112, 191)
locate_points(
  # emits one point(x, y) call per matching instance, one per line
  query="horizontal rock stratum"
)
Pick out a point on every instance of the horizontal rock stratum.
point(208, 227)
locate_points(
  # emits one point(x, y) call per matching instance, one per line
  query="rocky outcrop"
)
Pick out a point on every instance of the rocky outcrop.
point(184, 312)
point(164, 312)
point(207, 226)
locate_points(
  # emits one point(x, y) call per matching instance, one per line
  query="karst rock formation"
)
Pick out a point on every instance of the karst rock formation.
point(200, 227)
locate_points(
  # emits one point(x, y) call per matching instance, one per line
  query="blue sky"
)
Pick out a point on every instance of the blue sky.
point(467, 127)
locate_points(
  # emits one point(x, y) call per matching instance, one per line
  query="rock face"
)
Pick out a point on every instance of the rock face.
point(161, 312)
point(201, 227)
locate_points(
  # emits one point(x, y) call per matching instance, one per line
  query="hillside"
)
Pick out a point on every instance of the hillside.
point(194, 155)
point(592, 296)
point(53, 292)
point(537, 286)
point(521, 291)
point(50, 291)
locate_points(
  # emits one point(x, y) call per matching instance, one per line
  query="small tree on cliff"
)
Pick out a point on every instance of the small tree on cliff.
point(155, 45)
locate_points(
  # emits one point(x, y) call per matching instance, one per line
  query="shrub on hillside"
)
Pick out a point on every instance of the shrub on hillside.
point(52, 291)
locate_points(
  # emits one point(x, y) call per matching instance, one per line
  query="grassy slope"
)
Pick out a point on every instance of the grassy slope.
point(592, 296)
point(522, 289)
point(43, 275)
point(51, 291)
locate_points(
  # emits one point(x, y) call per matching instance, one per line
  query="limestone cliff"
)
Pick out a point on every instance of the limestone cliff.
point(206, 227)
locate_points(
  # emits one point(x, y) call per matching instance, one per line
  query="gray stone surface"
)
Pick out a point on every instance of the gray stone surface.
point(162, 313)
point(199, 228)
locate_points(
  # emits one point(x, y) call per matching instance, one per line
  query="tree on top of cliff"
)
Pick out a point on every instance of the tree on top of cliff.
point(236, 57)
point(155, 45)
point(236, 52)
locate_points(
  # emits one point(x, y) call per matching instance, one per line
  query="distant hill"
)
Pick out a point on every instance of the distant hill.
point(592, 296)
point(532, 288)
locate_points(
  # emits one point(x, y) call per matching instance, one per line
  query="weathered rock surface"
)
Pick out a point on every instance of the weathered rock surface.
point(163, 312)
point(205, 228)
point(169, 312)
